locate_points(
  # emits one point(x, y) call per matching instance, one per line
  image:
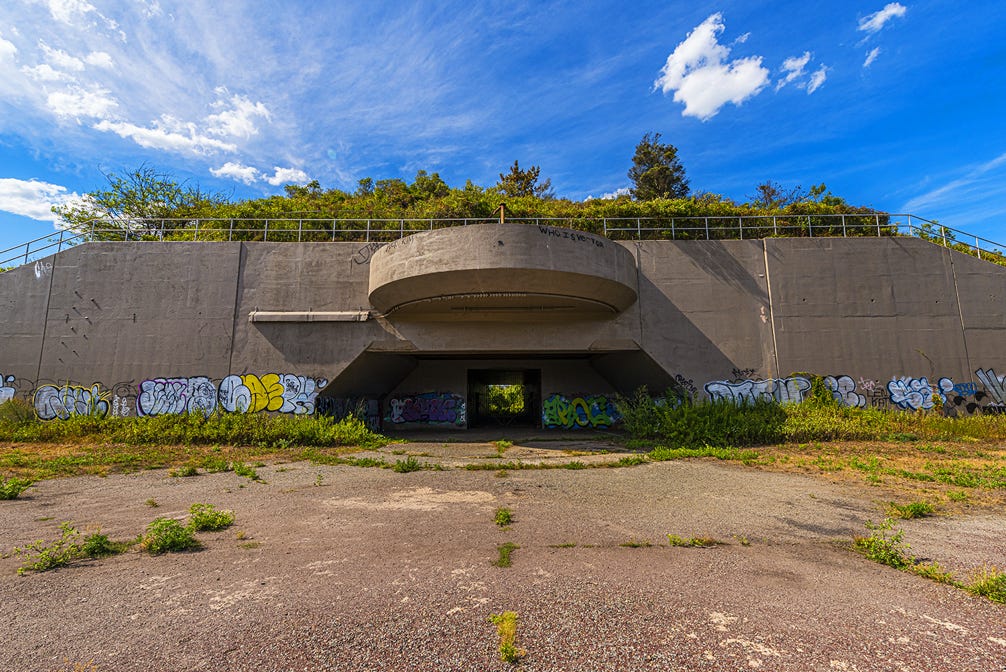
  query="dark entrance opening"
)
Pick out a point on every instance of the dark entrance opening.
point(504, 398)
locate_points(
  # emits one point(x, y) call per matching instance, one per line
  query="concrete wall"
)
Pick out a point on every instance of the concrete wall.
point(730, 318)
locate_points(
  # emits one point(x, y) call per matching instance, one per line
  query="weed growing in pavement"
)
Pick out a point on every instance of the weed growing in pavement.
point(934, 572)
point(568, 544)
point(502, 473)
point(242, 469)
point(988, 582)
point(152, 503)
point(319, 480)
point(909, 511)
point(409, 464)
point(184, 471)
point(692, 542)
point(41, 557)
point(632, 543)
point(167, 535)
point(502, 445)
point(885, 545)
point(10, 488)
point(504, 554)
point(215, 464)
point(98, 545)
point(506, 628)
point(504, 517)
point(206, 518)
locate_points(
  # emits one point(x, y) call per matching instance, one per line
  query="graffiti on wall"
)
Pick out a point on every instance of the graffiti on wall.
point(909, 393)
point(368, 410)
point(172, 396)
point(246, 393)
point(52, 402)
point(595, 411)
point(843, 390)
point(782, 390)
point(276, 392)
point(7, 389)
point(434, 408)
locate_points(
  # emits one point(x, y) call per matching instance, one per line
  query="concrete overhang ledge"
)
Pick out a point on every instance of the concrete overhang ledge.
point(512, 269)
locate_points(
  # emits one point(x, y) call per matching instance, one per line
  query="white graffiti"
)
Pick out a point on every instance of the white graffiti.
point(53, 402)
point(910, 393)
point(843, 389)
point(42, 269)
point(867, 384)
point(6, 388)
point(163, 396)
point(995, 385)
point(782, 390)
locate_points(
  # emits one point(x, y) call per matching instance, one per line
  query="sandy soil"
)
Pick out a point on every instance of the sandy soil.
point(372, 569)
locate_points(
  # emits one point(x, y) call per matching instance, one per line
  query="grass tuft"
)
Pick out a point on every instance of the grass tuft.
point(909, 511)
point(506, 628)
point(692, 542)
point(504, 554)
point(206, 518)
point(503, 517)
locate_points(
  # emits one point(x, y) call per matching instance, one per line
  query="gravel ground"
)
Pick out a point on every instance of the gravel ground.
point(376, 570)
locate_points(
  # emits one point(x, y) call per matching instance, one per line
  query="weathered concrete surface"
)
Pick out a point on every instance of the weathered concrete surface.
point(378, 570)
point(517, 271)
point(707, 311)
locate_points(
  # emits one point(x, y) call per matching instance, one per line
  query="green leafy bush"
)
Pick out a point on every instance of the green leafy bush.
point(206, 518)
point(167, 535)
point(41, 556)
point(885, 545)
point(10, 488)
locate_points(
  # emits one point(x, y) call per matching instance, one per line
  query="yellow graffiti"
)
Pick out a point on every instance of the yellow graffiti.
point(266, 392)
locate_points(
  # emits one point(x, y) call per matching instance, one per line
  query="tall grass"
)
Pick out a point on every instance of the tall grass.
point(685, 423)
point(260, 430)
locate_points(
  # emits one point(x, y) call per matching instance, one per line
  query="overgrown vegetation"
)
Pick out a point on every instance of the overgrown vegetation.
point(506, 628)
point(239, 429)
point(885, 544)
point(206, 518)
point(167, 535)
point(910, 510)
point(504, 550)
point(42, 556)
point(503, 517)
point(11, 487)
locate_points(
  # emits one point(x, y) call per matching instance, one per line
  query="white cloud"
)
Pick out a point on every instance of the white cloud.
point(66, 10)
point(78, 102)
point(874, 22)
point(239, 120)
point(7, 50)
point(61, 59)
point(698, 73)
point(871, 57)
point(236, 171)
point(977, 183)
point(169, 134)
point(282, 176)
point(45, 73)
point(32, 198)
point(100, 59)
point(817, 79)
point(794, 67)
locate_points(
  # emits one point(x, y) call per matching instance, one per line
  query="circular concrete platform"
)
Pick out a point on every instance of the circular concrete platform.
point(502, 271)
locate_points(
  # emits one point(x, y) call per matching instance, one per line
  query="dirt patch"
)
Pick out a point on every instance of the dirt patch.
point(346, 568)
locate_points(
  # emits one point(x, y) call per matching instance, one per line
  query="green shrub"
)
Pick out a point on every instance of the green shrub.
point(407, 465)
point(41, 556)
point(206, 518)
point(167, 535)
point(10, 488)
point(504, 516)
point(885, 545)
point(98, 545)
point(909, 511)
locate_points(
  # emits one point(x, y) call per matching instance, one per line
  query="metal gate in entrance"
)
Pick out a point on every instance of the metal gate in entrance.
point(500, 398)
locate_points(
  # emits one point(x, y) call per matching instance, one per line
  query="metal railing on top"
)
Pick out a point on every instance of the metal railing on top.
point(713, 227)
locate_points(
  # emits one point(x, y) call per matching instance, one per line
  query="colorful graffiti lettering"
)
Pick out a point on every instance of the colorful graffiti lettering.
point(164, 396)
point(53, 402)
point(578, 412)
point(783, 390)
point(843, 390)
point(280, 393)
point(429, 408)
point(910, 393)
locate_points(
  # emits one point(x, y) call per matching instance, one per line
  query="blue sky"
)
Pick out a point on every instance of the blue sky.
point(900, 106)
